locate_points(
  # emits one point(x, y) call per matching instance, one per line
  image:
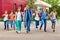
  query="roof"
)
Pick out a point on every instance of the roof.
point(42, 3)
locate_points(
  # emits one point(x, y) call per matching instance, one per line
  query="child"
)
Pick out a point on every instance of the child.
point(12, 18)
point(6, 20)
point(37, 19)
point(18, 21)
point(27, 18)
point(53, 18)
point(43, 19)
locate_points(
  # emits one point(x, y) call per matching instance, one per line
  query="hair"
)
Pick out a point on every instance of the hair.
point(12, 11)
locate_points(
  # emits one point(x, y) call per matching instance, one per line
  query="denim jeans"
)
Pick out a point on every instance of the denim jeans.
point(36, 23)
point(43, 21)
point(6, 24)
point(27, 25)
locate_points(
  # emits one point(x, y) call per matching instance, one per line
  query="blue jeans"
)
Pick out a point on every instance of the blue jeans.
point(27, 25)
point(43, 22)
point(6, 24)
point(37, 23)
point(53, 20)
point(12, 22)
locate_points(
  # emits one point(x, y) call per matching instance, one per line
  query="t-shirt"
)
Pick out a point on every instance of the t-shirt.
point(6, 17)
point(18, 16)
point(12, 17)
point(53, 15)
point(44, 15)
point(37, 17)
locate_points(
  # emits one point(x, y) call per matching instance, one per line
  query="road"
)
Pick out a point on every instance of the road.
point(33, 35)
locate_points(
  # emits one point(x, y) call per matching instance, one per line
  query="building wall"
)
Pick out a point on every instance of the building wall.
point(0, 7)
point(10, 5)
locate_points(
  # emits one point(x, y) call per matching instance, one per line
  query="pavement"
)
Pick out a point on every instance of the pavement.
point(33, 35)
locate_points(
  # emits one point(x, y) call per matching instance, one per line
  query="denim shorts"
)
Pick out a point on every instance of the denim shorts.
point(53, 20)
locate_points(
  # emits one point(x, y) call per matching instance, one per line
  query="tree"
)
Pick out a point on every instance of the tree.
point(31, 3)
point(54, 3)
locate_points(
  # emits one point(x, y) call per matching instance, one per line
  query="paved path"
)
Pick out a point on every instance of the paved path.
point(33, 35)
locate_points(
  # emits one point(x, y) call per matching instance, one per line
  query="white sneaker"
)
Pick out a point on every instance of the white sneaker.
point(19, 31)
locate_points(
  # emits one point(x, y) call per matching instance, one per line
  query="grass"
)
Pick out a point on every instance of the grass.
point(1, 20)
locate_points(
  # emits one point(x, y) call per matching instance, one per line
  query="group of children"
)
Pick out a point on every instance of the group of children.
point(42, 16)
point(16, 18)
point(12, 19)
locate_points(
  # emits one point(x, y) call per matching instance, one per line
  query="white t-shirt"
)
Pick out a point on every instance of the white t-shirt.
point(37, 17)
point(6, 17)
point(53, 15)
point(18, 16)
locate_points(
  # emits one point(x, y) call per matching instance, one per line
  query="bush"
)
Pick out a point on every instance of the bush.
point(58, 10)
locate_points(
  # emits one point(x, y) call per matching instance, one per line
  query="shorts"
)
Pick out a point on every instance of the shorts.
point(53, 20)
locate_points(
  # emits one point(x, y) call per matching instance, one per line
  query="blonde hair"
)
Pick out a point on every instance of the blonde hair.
point(27, 7)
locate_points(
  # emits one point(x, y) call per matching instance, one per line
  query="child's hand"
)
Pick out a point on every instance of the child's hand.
point(50, 18)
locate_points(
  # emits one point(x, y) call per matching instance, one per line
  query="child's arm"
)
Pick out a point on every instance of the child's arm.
point(9, 14)
point(49, 16)
point(56, 15)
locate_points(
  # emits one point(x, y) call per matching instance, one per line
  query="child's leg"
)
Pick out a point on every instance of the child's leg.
point(11, 24)
point(28, 26)
point(7, 23)
point(41, 24)
point(16, 25)
point(19, 27)
point(54, 23)
point(4, 25)
point(37, 23)
point(45, 25)
point(25, 25)
point(54, 27)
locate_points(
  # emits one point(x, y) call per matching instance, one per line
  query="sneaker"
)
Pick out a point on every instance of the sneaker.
point(53, 30)
point(4, 28)
point(40, 28)
point(27, 31)
point(45, 31)
point(17, 32)
point(37, 29)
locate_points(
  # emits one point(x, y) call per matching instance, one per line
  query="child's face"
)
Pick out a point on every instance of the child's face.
point(27, 7)
point(36, 12)
point(11, 12)
point(5, 12)
point(44, 9)
point(54, 9)
point(19, 9)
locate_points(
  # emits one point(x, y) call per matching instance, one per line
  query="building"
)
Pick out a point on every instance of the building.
point(11, 5)
point(41, 4)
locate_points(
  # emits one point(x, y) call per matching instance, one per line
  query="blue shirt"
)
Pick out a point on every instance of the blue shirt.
point(44, 15)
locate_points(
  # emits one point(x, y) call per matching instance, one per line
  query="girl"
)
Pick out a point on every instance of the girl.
point(36, 19)
point(43, 19)
point(12, 19)
point(53, 18)
point(6, 20)
point(18, 21)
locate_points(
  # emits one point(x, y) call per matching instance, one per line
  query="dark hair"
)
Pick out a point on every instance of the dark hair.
point(12, 11)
